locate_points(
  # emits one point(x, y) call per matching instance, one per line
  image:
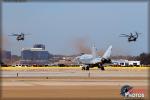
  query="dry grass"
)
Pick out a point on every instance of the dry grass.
point(56, 68)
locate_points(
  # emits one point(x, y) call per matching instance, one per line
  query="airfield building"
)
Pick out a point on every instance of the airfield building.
point(35, 56)
point(122, 62)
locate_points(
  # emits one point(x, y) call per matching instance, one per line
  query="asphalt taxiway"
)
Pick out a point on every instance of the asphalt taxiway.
point(73, 74)
point(70, 84)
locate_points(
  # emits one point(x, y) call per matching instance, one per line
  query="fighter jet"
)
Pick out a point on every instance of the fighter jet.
point(92, 60)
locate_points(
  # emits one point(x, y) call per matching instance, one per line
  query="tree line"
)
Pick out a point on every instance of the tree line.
point(144, 58)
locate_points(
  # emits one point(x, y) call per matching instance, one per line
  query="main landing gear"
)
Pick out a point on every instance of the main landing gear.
point(85, 67)
point(100, 66)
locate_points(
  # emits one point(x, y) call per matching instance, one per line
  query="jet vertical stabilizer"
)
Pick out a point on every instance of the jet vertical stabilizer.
point(94, 51)
point(108, 52)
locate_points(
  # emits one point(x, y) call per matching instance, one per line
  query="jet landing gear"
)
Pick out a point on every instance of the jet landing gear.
point(85, 67)
point(100, 66)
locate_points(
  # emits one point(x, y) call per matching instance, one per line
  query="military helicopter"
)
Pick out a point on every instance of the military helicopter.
point(131, 36)
point(19, 37)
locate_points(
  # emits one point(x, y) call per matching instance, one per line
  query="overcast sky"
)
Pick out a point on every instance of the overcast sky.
point(59, 24)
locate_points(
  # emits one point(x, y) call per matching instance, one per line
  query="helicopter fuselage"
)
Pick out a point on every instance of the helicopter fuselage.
point(20, 37)
point(132, 39)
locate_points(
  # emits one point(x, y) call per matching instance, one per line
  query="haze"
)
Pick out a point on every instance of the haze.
point(59, 25)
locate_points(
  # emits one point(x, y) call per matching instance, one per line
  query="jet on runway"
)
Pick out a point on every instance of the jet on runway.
point(91, 60)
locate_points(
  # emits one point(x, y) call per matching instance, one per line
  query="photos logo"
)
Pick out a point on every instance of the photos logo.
point(128, 91)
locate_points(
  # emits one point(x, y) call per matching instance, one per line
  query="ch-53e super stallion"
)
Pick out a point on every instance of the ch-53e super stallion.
point(19, 37)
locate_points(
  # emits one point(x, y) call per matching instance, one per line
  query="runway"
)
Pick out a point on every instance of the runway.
point(72, 74)
point(72, 88)
point(73, 82)
point(70, 84)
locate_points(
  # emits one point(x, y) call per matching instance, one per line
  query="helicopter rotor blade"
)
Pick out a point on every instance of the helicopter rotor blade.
point(27, 34)
point(12, 34)
point(131, 34)
point(124, 35)
point(137, 34)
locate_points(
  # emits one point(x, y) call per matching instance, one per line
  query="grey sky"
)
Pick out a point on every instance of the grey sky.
point(59, 24)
